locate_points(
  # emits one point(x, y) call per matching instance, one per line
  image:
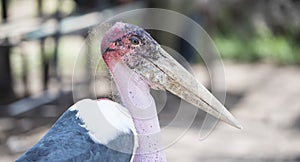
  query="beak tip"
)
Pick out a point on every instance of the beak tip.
point(235, 123)
point(239, 126)
point(228, 118)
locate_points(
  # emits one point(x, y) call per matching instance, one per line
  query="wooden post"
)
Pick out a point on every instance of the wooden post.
point(6, 91)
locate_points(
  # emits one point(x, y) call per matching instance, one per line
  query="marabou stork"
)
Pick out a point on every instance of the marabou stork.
point(103, 130)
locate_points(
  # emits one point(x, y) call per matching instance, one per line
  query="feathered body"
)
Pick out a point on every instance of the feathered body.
point(69, 139)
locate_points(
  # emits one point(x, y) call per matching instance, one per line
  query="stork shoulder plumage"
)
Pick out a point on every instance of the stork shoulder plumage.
point(90, 130)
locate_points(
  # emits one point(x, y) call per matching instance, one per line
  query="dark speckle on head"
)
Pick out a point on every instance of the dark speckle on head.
point(127, 39)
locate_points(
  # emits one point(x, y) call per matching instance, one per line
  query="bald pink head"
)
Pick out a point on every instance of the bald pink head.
point(114, 33)
point(125, 39)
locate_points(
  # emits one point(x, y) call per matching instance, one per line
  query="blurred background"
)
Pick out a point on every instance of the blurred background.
point(258, 41)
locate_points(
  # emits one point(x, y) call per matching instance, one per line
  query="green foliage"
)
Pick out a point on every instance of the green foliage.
point(234, 47)
point(276, 48)
point(281, 49)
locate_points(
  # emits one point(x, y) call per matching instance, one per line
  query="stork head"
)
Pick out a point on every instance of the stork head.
point(134, 47)
point(123, 40)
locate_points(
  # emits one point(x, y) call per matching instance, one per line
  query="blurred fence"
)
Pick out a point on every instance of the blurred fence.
point(25, 87)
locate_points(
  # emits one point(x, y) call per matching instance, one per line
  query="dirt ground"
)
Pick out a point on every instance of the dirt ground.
point(263, 97)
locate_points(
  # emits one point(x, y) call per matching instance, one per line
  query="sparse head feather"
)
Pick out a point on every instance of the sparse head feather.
point(122, 36)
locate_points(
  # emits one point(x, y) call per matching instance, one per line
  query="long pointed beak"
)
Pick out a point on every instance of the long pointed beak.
point(162, 71)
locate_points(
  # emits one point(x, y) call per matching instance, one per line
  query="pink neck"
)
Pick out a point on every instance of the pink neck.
point(136, 97)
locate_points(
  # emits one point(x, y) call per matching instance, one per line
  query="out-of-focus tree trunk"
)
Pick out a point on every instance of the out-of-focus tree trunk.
point(6, 91)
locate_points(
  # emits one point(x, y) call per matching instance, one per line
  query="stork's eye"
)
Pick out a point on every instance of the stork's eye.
point(118, 42)
point(134, 40)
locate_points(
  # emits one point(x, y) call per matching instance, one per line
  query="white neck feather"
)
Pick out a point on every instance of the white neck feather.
point(104, 119)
